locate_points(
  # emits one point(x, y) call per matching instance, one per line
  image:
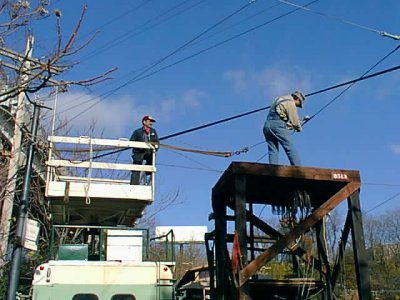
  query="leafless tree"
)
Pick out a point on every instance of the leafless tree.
point(190, 256)
point(383, 236)
point(42, 73)
point(22, 73)
point(334, 223)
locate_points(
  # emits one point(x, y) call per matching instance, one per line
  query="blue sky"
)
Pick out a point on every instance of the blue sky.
point(258, 53)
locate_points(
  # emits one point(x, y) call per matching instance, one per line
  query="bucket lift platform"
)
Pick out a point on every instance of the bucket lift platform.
point(84, 186)
point(313, 192)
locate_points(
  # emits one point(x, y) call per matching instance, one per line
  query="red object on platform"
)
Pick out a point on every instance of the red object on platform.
point(236, 253)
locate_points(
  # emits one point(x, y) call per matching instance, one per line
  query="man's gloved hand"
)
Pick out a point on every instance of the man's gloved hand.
point(305, 120)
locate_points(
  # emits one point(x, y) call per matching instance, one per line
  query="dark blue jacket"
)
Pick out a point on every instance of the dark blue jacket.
point(139, 136)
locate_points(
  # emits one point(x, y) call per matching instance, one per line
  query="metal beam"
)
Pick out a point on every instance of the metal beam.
point(220, 243)
point(360, 255)
point(301, 228)
point(322, 251)
point(240, 225)
point(342, 248)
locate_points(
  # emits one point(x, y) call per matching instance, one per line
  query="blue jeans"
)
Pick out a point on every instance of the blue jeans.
point(276, 133)
point(138, 158)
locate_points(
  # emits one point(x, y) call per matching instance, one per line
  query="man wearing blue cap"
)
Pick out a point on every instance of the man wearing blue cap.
point(282, 120)
point(146, 133)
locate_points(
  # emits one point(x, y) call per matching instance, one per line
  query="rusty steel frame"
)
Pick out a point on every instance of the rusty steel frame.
point(233, 190)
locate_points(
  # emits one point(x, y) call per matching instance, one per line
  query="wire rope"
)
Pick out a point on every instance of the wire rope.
point(191, 168)
point(383, 202)
point(380, 32)
point(120, 16)
point(134, 32)
point(188, 158)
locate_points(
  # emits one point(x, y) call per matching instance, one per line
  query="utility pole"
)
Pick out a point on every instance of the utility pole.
point(15, 160)
point(19, 238)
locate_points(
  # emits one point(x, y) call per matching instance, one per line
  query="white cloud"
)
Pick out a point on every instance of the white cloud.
point(279, 81)
point(115, 117)
point(191, 99)
point(166, 109)
point(108, 118)
point(273, 81)
point(239, 78)
point(395, 149)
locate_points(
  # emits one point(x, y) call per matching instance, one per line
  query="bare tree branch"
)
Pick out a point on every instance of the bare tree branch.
point(42, 75)
point(72, 39)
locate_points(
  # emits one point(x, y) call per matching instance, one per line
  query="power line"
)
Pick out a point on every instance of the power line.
point(313, 116)
point(142, 28)
point(266, 107)
point(138, 78)
point(353, 83)
point(192, 44)
point(237, 23)
point(125, 37)
point(382, 184)
point(125, 13)
point(381, 33)
point(383, 202)
point(261, 109)
point(213, 123)
point(191, 168)
point(143, 76)
point(345, 90)
point(109, 93)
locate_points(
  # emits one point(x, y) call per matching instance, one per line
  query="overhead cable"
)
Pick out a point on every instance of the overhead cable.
point(266, 107)
point(383, 202)
point(141, 28)
point(381, 184)
point(99, 50)
point(306, 120)
point(194, 43)
point(238, 23)
point(185, 45)
point(125, 13)
point(353, 83)
point(382, 33)
point(138, 78)
point(261, 109)
point(143, 76)
point(191, 168)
